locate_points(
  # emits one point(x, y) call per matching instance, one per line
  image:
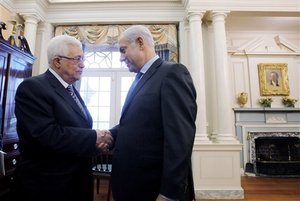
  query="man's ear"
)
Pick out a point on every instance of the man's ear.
point(56, 63)
point(140, 41)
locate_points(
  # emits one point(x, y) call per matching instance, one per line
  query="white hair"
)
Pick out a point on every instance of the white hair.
point(58, 46)
point(133, 32)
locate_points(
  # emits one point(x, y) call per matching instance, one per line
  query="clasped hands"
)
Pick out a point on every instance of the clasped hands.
point(104, 140)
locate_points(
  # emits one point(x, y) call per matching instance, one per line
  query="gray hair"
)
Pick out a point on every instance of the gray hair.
point(133, 32)
point(58, 46)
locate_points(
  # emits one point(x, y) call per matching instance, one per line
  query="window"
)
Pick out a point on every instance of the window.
point(104, 86)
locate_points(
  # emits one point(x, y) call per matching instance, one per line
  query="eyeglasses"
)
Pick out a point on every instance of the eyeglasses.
point(122, 50)
point(77, 59)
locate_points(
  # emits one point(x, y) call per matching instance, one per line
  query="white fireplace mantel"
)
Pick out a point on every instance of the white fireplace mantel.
point(263, 120)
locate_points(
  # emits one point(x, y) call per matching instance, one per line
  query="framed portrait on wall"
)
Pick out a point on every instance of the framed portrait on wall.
point(273, 79)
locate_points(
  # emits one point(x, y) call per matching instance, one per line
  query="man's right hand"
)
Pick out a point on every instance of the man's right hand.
point(104, 140)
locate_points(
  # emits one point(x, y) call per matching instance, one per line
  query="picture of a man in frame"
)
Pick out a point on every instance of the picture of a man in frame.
point(274, 78)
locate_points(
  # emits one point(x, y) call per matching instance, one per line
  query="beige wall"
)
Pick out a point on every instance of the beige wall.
point(4, 17)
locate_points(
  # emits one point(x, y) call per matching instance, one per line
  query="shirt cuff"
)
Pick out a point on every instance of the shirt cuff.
point(167, 199)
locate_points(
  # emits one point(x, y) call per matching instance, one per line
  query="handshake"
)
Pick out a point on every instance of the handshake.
point(104, 140)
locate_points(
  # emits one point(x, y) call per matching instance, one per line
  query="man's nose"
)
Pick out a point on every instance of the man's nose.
point(122, 57)
point(81, 64)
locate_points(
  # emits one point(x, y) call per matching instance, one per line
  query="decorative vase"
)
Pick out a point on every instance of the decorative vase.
point(242, 98)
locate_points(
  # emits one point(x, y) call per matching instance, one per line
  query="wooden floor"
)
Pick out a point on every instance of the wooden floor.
point(256, 189)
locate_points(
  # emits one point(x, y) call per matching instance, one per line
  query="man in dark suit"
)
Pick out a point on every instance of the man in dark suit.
point(155, 135)
point(57, 141)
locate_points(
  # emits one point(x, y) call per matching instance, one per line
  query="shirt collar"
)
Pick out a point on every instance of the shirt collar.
point(59, 78)
point(148, 64)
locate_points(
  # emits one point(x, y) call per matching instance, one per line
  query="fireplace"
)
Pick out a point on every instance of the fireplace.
point(275, 153)
point(282, 124)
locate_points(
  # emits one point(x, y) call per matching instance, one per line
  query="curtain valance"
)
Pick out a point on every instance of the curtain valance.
point(107, 36)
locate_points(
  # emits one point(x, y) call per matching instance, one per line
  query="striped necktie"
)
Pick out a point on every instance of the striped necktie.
point(72, 93)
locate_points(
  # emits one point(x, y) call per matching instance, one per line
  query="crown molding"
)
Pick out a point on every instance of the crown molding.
point(7, 4)
point(124, 16)
point(250, 5)
point(147, 11)
point(103, 1)
point(30, 7)
point(110, 11)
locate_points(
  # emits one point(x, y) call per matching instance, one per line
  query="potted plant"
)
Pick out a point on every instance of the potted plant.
point(265, 102)
point(288, 101)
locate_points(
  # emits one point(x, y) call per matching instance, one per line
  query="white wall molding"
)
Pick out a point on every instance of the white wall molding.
point(283, 41)
point(103, 11)
point(102, 1)
point(7, 4)
point(266, 45)
point(253, 5)
point(216, 169)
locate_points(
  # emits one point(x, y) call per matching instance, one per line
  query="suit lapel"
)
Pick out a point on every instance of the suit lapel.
point(61, 91)
point(150, 72)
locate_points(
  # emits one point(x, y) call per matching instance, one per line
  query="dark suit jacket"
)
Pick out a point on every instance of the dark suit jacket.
point(56, 143)
point(155, 136)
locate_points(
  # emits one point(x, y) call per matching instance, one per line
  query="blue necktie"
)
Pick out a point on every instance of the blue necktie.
point(72, 93)
point(134, 83)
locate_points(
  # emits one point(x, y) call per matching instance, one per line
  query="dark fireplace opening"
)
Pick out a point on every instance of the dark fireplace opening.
point(277, 156)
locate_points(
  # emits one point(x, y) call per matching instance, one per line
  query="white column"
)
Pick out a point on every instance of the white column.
point(210, 76)
point(198, 75)
point(44, 34)
point(184, 31)
point(223, 89)
point(31, 21)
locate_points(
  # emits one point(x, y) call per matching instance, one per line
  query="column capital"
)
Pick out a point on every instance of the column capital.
point(31, 23)
point(214, 14)
point(194, 15)
point(31, 17)
point(44, 26)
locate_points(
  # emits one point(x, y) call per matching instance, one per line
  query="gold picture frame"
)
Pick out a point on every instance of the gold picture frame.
point(273, 79)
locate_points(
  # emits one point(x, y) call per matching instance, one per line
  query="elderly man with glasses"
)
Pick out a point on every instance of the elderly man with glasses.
point(57, 141)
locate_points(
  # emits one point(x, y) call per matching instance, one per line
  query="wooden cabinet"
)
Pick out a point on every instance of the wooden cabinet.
point(15, 66)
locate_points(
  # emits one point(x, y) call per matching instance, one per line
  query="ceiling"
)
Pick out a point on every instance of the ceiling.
point(99, 1)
